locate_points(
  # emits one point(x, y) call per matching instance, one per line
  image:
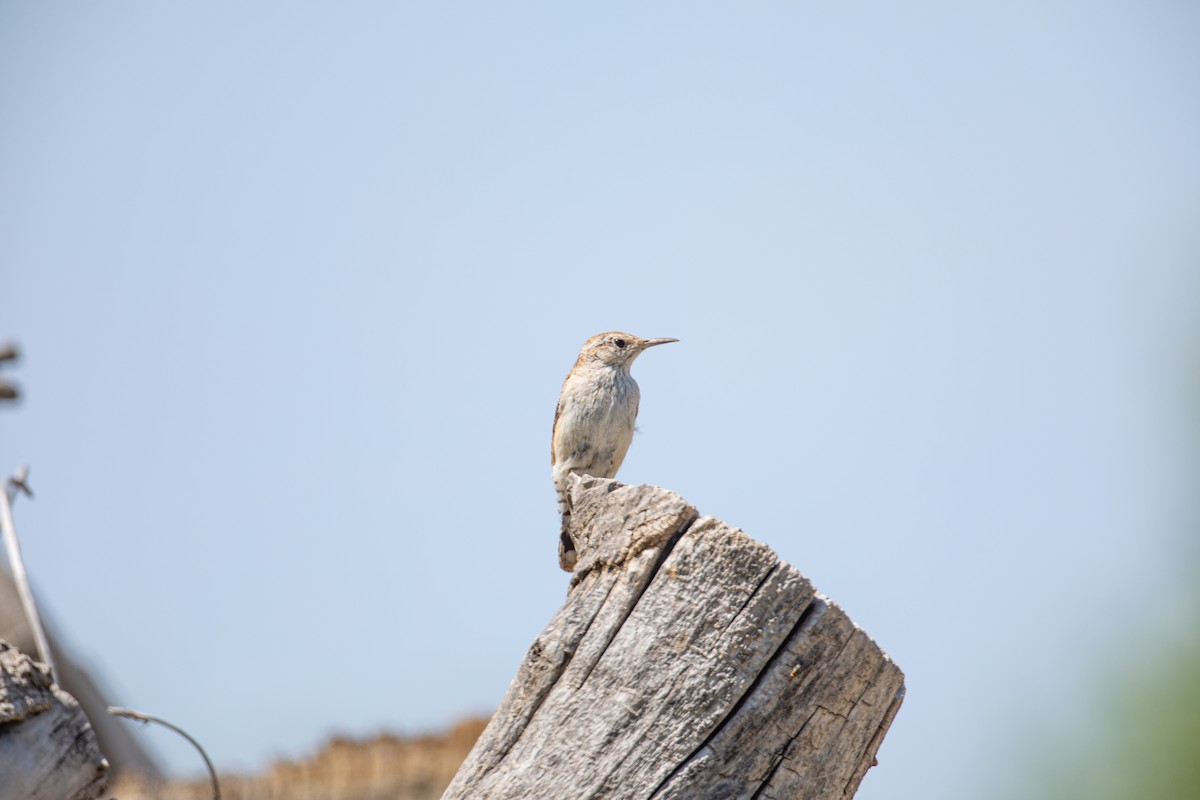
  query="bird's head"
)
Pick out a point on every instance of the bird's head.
point(616, 349)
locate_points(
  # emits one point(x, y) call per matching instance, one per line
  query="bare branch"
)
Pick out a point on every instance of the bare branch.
point(140, 717)
point(12, 485)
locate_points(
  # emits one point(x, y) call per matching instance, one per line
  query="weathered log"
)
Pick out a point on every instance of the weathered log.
point(47, 748)
point(688, 661)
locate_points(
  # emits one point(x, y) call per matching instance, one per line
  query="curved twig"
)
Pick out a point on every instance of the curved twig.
point(140, 717)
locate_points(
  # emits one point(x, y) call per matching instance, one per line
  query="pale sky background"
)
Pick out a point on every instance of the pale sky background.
point(297, 286)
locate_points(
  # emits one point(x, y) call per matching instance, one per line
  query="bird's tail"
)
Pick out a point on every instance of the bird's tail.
point(566, 545)
point(567, 557)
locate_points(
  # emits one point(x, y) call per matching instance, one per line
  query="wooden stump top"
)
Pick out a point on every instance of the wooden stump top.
point(688, 661)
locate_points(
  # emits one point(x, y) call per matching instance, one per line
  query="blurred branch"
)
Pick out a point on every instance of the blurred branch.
point(12, 486)
point(140, 717)
point(16, 483)
point(8, 352)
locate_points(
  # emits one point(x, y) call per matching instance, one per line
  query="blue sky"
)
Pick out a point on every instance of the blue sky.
point(297, 286)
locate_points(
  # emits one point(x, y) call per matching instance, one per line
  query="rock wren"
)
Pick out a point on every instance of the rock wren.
point(593, 424)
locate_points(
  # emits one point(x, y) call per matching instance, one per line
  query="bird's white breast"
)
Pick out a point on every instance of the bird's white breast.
point(597, 412)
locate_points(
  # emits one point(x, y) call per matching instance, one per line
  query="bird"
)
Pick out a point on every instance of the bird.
point(593, 423)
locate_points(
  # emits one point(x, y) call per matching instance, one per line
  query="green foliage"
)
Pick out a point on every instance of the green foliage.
point(1155, 749)
point(1148, 744)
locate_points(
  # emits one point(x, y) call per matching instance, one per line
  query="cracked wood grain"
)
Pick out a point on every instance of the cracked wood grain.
point(688, 661)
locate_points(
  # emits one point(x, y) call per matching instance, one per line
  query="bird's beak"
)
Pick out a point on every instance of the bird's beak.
point(652, 342)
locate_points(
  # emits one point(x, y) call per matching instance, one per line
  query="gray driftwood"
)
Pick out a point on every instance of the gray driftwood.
point(47, 748)
point(687, 662)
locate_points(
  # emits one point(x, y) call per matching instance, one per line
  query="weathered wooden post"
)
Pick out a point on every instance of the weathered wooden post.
point(687, 662)
point(47, 748)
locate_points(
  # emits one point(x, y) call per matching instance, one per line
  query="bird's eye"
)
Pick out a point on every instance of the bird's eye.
point(619, 342)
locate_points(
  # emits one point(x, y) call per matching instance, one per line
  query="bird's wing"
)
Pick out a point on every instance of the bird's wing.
point(554, 431)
